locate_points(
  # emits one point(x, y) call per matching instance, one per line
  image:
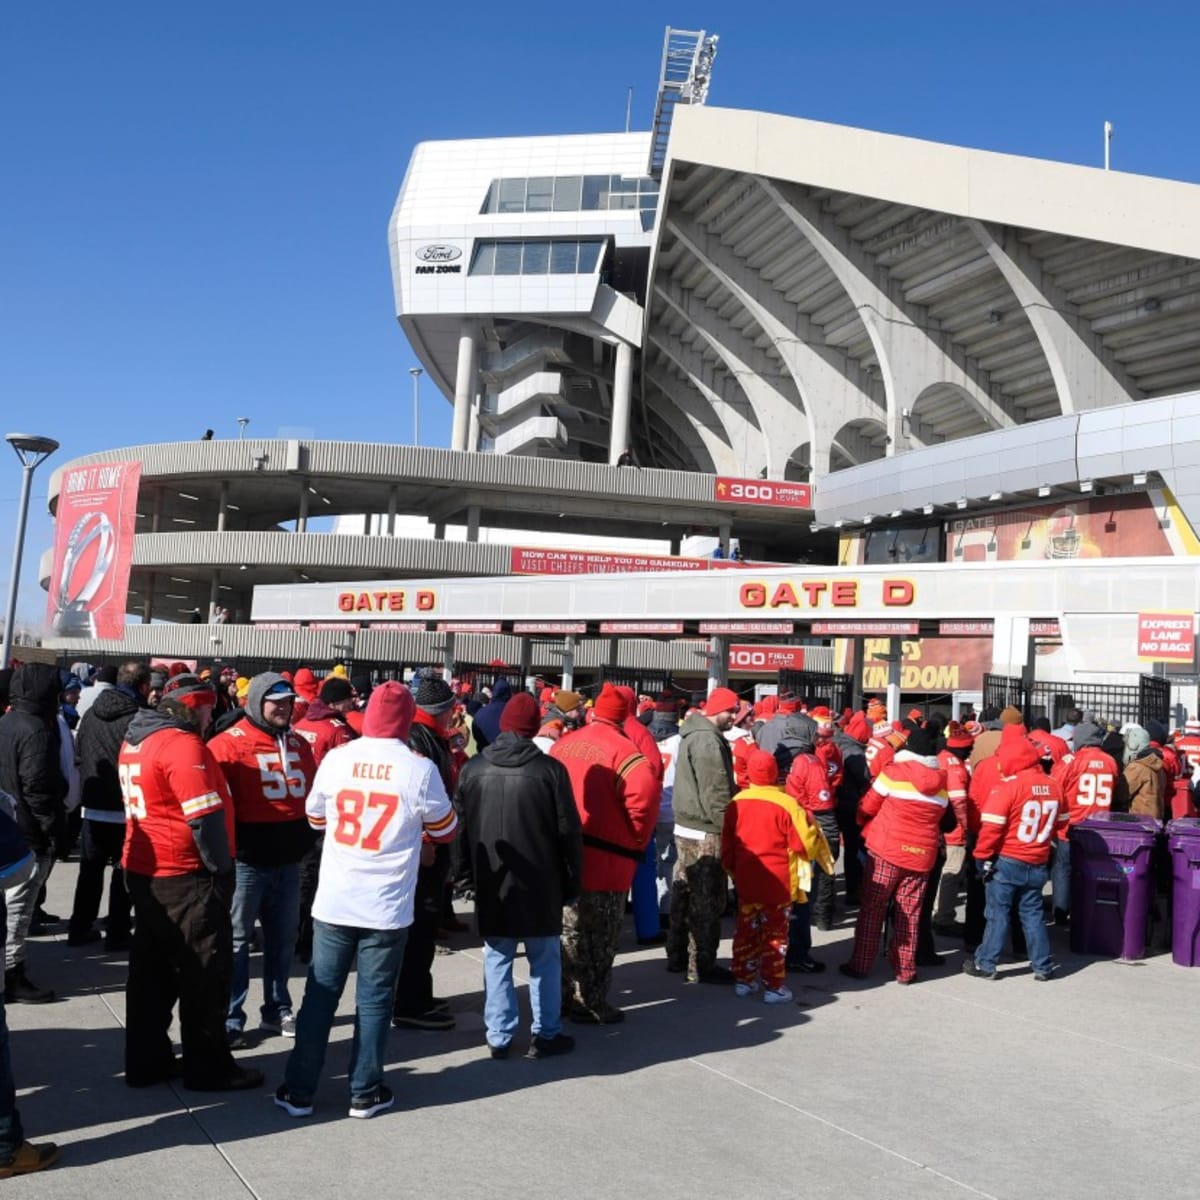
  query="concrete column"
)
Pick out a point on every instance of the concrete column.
point(156, 511)
point(618, 441)
point(302, 515)
point(724, 532)
point(214, 595)
point(895, 661)
point(366, 524)
point(718, 662)
point(391, 512)
point(473, 427)
point(148, 599)
point(439, 531)
point(568, 663)
point(473, 523)
point(223, 506)
point(448, 657)
point(856, 695)
point(676, 542)
point(464, 387)
point(614, 651)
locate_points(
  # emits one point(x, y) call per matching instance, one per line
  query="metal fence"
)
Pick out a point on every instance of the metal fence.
point(1147, 700)
point(834, 690)
point(481, 675)
point(644, 683)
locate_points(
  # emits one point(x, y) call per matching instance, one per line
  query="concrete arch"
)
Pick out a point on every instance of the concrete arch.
point(858, 441)
point(798, 468)
point(942, 412)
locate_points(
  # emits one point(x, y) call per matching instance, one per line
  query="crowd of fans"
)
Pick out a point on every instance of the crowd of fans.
point(336, 823)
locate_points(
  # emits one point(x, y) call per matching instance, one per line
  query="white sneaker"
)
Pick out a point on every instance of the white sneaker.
point(778, 996)
point(745, 989)
point(287, 1025)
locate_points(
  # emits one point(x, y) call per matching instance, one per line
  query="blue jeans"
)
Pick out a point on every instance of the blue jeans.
point(1023, 883)
point(272, 895)
point(336, 948)
point(645, 894)
point(545, 987)
point(1060, 875)
point(11, 1133)
point(800, 933)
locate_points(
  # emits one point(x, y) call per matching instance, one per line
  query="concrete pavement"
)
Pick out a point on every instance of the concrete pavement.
point(955, 1087)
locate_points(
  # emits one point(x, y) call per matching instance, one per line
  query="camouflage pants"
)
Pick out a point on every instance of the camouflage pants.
point(698, 895)
point(591, 932)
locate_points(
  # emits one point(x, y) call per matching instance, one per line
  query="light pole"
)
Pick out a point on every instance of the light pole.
point(32, 451)
point(415, 372)
point(242, 423)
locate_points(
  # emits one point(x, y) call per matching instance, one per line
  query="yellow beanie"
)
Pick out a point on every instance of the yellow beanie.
point(243, 686)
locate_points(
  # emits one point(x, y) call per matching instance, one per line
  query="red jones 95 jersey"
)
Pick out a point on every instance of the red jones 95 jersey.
point(1088, 778)
point(167, 780)
point(1021, 816)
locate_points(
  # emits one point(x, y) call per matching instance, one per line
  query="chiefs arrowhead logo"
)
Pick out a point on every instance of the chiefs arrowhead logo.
point(722, 488)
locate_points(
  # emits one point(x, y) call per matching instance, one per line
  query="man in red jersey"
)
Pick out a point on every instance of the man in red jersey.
point(179, 873)
point(1019, 819)
point(269, 769)
point(1088, 778)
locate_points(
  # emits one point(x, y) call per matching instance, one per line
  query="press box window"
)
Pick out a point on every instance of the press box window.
point(541, 256)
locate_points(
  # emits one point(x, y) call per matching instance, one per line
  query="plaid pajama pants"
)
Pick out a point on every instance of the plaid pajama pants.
point(884, 883)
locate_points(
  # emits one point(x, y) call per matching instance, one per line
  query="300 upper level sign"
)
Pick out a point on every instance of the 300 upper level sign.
point(775, 493)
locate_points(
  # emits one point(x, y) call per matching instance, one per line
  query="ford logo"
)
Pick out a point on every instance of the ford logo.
point(439, 253)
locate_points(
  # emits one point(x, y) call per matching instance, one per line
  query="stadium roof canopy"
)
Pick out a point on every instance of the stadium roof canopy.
point(822, 296)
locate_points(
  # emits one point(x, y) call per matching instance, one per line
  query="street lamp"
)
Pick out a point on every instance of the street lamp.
point(32, 451)
point(415, 372)
point(242, 423)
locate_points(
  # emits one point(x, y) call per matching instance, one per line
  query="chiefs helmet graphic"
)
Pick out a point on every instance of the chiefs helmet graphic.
point(1062, 538)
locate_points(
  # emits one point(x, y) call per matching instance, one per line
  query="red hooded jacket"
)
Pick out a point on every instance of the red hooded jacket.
point(903, 809)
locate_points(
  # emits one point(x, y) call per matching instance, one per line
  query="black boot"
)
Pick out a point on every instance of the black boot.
point(20, 989)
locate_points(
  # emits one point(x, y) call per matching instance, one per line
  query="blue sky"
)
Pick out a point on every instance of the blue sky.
point(194, 212)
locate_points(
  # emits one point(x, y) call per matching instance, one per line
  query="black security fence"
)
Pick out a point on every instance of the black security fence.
point(644, 683)
point(834, 690)
point(1147, 700)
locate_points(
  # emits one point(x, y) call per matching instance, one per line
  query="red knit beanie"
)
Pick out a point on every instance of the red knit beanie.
point(859, 728)
point(390, 711)
point(763, 768)
point(520, 715)
point(957, 737)
point(611, 705)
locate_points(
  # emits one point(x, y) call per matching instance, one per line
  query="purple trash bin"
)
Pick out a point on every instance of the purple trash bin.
point(1112, 884)
point(1183, 841)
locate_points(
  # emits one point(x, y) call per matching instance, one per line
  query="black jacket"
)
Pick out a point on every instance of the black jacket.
point(98, 743)
point(524, 838)
point(29, 754)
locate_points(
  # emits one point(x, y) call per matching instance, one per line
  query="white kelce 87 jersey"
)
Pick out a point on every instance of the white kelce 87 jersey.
point(375, 800)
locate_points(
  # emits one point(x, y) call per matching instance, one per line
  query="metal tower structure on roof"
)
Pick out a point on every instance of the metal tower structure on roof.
point(684, 78)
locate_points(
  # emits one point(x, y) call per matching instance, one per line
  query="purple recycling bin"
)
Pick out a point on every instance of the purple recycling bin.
point(1112, 884)
point(1183, 841)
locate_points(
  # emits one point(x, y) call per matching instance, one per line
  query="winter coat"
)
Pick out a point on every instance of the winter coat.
point(768, 846)
point(798, 735)
point(703, 776)
point(1146, 786)
point(98, 744)
point(486, 725)
point(523, 836)
point(617, 796)
point(29, 755)
point(904, 811)
point(856, 775)
point(323, 728)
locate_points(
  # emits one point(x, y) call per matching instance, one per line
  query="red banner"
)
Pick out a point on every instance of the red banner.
point(531, 560)
point(1167, 637)
point(776, 493)
point(93, 547)
point(759, 658)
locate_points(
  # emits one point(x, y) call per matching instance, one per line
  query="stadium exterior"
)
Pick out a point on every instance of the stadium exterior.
point(943, 342)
